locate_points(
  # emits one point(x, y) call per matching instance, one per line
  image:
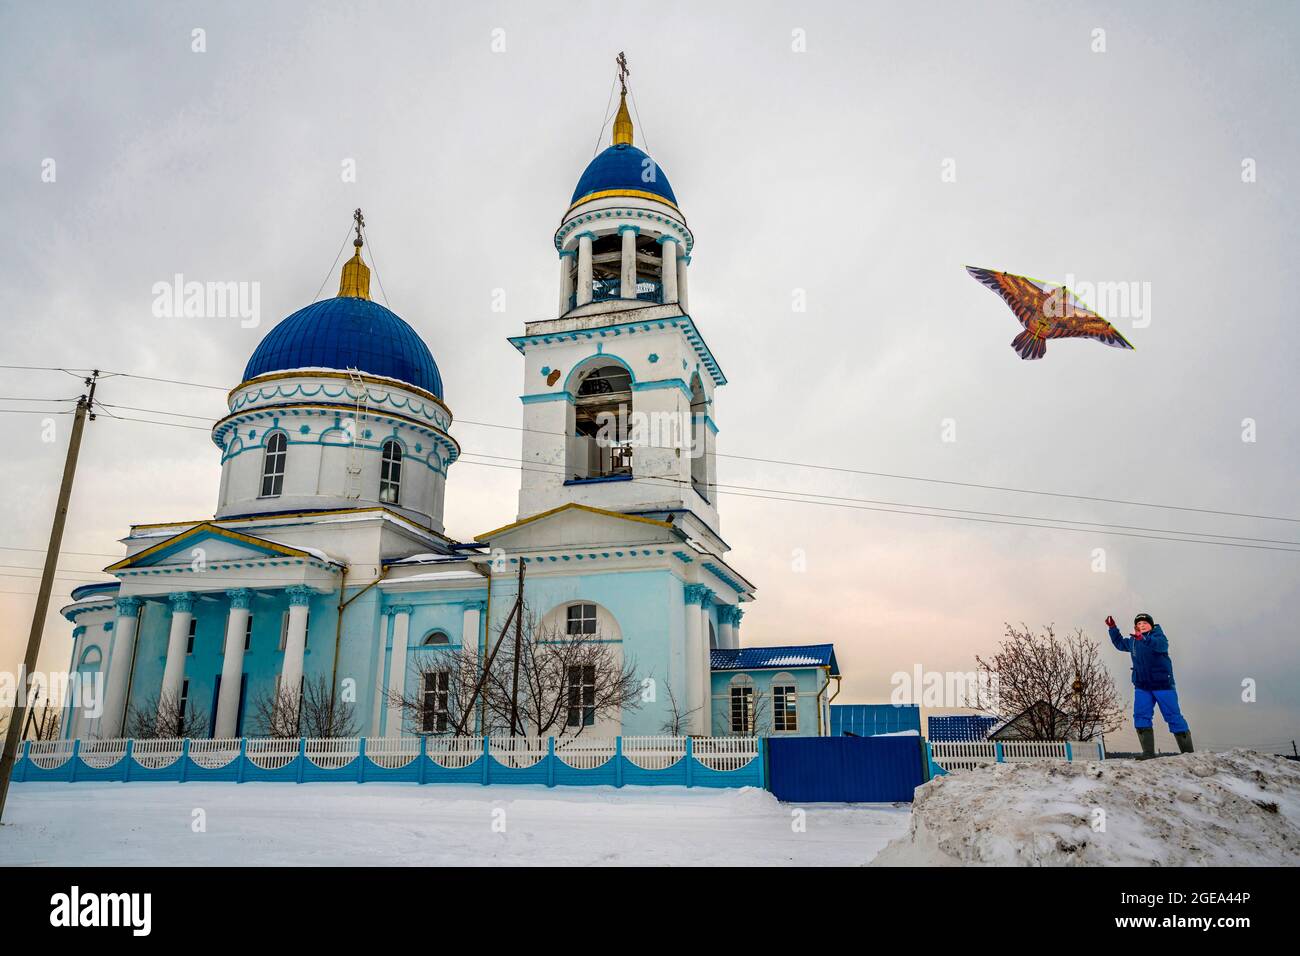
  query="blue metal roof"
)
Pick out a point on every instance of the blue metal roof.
point(870, 720)
point(98, 587)
point(623, 167)
point(769, 658)
point(959, 726)
point(348, 332)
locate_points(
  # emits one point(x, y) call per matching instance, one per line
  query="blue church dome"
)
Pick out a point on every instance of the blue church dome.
point(620, 169)
point(348, 332)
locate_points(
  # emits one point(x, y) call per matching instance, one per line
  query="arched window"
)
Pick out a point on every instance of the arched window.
point(785, 704)
point(601, 446)
point(699, 439)
point(742, 704)
point(435, 638)
point(273, 465)
point(390, 473)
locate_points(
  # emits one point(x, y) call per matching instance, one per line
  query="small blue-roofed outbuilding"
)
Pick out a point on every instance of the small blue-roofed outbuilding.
point(773, 691)
point(872, 720)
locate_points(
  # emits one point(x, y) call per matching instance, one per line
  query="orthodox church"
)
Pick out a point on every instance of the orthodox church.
point(327, 557)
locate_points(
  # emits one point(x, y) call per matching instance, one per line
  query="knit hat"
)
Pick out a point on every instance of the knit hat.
point(1143, 617)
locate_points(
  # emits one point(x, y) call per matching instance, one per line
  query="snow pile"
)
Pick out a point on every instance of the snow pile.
point(1230, 809)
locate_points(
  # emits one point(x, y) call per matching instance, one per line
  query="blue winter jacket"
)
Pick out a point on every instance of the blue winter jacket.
point(1152, 669)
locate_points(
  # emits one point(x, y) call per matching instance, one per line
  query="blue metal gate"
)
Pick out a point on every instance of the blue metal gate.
point(845, 769)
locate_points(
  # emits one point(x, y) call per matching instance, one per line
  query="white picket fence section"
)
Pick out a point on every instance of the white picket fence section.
point(215, 753)
point(585, 753)
point(725, 753)
point(518, 753)
point(102, 753)
point(654, 753)
point(330, 753)
point(392, 752)
point(160, 752)
point(272, 753)
point(454, 753)
point(48, 754)
point(970, 754)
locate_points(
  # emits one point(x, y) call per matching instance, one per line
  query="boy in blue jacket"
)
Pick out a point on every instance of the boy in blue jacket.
point(1153, 682)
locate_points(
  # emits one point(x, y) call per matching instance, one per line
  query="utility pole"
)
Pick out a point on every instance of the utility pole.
point(519, 634)
point(85, 409)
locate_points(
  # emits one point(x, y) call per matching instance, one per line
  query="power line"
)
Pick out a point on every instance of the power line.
point(1097, 499)
point(898, 507)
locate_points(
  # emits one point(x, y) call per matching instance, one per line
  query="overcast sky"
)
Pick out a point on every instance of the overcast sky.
point(827, 169)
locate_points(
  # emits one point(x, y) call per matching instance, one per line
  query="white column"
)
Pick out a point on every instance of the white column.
point(295, 641)
point(668, 269)
point(182, 603)
point(471, 624)
point(566, 279)
point(706, 669)
point(696, 702)
point(119, 667)
point(726, 629)
point(397, 668)
point(627, 274)
point(682, 299)
point(232, 665)
point(584, 267)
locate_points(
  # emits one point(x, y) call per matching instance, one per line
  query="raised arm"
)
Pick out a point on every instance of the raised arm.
point(1121, 642)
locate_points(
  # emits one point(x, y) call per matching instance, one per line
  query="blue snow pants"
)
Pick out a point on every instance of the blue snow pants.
point(1144, 707)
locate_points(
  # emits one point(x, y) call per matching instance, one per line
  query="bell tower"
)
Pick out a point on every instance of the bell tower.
point(618, 398)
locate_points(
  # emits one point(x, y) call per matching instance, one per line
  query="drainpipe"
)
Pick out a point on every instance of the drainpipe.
point(338, 623)
point(819, 700)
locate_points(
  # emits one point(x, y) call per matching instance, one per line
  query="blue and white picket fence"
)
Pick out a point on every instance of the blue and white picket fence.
point(948, 755)
point(578, 761)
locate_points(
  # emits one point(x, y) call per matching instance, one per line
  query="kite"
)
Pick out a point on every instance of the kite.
point(1047, 312)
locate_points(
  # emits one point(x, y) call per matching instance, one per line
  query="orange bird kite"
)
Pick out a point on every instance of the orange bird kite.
point(1047, 312)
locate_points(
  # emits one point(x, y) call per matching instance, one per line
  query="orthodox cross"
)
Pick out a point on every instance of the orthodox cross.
point(623, 71)
point(360, 220)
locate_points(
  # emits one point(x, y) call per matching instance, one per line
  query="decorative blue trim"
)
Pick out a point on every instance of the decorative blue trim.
point(597, 481)
point(299, 595)
point(546, 397)
point(662, 383)
point(128, 607)
point(726, 578)
point(684, 323)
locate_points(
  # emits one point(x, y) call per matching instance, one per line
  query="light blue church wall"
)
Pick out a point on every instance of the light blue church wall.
point(649, 608)
point(807, 680)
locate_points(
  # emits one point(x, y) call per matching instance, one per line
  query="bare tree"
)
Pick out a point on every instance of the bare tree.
point(1057, 686)
point(165, 716)
point(315, 712)
point(558, 684)
point(678, 720)
point(444, 696)
point(730, 714)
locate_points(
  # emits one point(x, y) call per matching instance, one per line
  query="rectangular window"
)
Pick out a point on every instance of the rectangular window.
point(742, 709)
point(284, 629)
point(434, 719)
point(784, 710)
point(582, 696)
point(248, 632)
point(189, 641)
point(185, 700)
point(582, 619)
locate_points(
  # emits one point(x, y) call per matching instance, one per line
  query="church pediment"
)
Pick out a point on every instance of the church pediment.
point(579, 526)
point(210, 545)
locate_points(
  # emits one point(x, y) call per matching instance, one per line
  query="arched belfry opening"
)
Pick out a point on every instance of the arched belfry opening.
point(699, 438)
point(600, 446)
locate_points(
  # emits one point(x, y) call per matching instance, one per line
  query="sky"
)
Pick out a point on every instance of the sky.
point(839, 164)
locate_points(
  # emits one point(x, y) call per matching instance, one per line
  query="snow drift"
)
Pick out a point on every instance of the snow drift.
point(1236, 808)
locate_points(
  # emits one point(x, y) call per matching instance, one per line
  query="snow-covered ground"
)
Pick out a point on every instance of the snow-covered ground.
point(398, 824)
point(1236, 809)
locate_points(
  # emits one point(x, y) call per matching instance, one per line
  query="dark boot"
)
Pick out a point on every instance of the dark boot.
point(1147, 737)
point(1185, 742)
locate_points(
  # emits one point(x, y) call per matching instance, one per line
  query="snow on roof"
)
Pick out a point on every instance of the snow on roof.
point(452, 575)
point(760, 658)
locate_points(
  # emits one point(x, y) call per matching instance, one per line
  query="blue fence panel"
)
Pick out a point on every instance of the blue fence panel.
point(845, 769)
point(869, 720)
point(954, 727)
